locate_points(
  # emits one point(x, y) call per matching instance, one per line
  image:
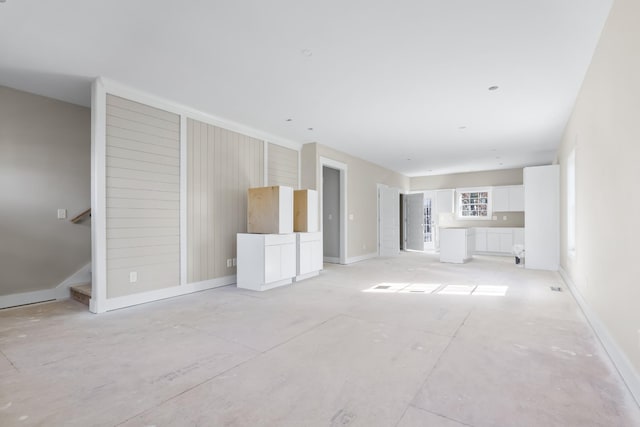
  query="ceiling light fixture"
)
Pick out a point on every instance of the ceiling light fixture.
point(289, 120)
point(462, 127)
point(309, 128)
point(306, 52)
point(494, 87)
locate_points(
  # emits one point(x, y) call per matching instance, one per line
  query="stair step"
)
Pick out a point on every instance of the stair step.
point(81, 292)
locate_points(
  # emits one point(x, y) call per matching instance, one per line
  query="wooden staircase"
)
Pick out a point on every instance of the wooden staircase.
point(81, 292)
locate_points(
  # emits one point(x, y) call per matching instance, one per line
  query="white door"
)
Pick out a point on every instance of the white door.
point(414, 233)
point(389, 218)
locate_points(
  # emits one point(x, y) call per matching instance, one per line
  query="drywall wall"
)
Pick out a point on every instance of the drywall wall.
point(469, 179)
point(221, 166)
point(331, 212)
point(142, 197)
point(604, 131)
point(45, 149)
point(282, 166)
point(362, 194)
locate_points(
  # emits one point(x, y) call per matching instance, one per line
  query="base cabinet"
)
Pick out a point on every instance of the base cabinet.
point(309, 255)
point(265, 261)
point(456, 245)
point(498, 240)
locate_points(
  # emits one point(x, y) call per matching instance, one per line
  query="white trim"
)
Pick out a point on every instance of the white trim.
point(183, 200)
point(618, 357)
point(362, 257)
point(23, 298)
point(265, 150)
point(342, 167)
point(128, 92)
point(60, 292)
point(98, 196)
point(174, 291)
point(331, 259)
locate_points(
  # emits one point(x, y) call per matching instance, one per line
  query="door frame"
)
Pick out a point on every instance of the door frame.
point(342, 168)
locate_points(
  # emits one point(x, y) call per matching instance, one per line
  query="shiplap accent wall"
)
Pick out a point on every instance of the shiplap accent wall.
point(283, 166)
point(221, 166)
point(142, 197)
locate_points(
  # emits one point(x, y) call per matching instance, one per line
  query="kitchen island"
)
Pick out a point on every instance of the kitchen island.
point(456, 244)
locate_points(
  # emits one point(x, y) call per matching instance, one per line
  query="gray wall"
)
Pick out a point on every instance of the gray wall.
point(604, 131)
point(468, 179)
point(45, 164)
point(283, 166)
point(143, 197)
point(331, 211)
point(221, 166)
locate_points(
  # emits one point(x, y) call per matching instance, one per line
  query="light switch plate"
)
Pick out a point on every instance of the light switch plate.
point(62, 213)
point(133, 276)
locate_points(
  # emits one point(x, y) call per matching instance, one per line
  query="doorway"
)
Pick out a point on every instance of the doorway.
point(333, 210)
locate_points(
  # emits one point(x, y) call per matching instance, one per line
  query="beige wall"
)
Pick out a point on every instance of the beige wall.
point(604, 130)
point(362, 193)
point(282, 166)
point(143, 197)
point(221, 166)
point(45, 164)
point(469, 179)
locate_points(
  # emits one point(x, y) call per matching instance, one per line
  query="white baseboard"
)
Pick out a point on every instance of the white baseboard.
point(59, 292)
point(361, 258)
point(618, 357)
point(331, 259)
point(174, 291)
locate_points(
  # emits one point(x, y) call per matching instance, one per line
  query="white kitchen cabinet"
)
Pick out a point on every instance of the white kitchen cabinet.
point(508, 198)
point(498, 240)
point(456, 245)
point(308, 255)
point(265, 261)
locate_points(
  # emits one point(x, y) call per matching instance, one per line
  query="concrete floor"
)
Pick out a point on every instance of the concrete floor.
point(321, 353)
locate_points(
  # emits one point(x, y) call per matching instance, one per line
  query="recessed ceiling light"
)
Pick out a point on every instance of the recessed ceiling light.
point(409, 159)
point(462, 127)
point(309, 128)
point(307, 52)
point(497, 157)
point(289, 120)
point(493, 87)
point(500, 164)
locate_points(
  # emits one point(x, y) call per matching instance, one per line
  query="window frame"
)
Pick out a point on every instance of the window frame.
point(489, 203)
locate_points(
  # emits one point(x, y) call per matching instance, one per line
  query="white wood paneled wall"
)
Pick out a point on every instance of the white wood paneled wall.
point(283, 166)
point(142, 197)
point(221, 166)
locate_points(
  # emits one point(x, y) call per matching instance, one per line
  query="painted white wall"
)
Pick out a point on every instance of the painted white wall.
point(604, 131)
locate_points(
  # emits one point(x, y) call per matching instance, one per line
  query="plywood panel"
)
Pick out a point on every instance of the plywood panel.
point(143, 197)
point(283, 166)
point(221, 166)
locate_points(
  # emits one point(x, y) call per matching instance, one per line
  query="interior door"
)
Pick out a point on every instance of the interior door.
point(389, 221)
point(414, 233)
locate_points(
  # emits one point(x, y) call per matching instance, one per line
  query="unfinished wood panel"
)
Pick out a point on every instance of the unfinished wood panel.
point(143, 197)
point(305, 211)
point(221, 166)
point(270, 210)
point(283, 166)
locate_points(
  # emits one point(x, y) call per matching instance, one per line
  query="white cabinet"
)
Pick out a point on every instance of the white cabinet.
point(265, 261)
point(498, 240)
point(508, 198)
point(309, 255)
point(456, 245)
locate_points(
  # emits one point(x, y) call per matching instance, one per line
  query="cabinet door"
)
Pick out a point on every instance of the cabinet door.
point(506, 241)
point(518, 236)
point(493, 241)
point(481, 240)
point(272, 261)
point(500, 196)
point(287, 260)
point(516, 198)
point(306, 254)
point(316, 255)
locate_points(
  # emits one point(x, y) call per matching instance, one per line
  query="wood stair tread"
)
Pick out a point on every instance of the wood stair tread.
point(81, 292)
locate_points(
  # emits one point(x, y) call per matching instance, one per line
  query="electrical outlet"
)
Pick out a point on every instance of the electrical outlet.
point(351, 217)
point(229, 262)
point(234, 262)
point(133, 276)
point(504, 217)
point(62, 213)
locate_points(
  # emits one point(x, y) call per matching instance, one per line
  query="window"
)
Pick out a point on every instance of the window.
point(474, 203)
point(571, 204)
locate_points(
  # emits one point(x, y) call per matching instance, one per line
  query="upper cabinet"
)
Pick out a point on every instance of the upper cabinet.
point(509, 198)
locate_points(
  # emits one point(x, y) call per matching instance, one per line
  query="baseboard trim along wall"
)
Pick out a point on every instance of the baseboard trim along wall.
point(174, 291)
point(617, 356)
point(60, 292)
point(361, 258)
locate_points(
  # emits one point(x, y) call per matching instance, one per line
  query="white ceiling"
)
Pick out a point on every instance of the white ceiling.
point(384, 80)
